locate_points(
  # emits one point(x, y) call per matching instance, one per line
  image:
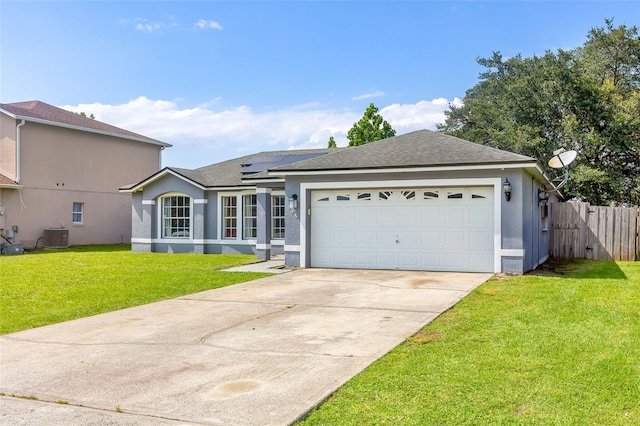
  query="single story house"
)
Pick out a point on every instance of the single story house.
point(419, 201)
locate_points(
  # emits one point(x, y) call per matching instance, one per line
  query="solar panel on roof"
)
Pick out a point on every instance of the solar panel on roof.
point(260, 163)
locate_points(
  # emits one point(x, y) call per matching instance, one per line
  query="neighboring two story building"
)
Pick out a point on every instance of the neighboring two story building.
point(61, 170)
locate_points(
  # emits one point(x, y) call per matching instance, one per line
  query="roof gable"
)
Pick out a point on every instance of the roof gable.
point(41, 112)
point(229, 173)
point(422, 148)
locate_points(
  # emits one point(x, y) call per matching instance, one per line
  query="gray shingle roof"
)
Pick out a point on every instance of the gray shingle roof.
point(229, 173)
point(422, 148)
point(42, 111)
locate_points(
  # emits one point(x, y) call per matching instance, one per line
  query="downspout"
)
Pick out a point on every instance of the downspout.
point(18, 149)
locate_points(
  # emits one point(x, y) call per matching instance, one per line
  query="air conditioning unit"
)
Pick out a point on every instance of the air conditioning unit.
point(56, 238)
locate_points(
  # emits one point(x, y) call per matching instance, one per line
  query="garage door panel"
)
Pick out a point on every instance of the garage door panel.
point(408, 260)
point(385, 217)
point(455, 261)
point(365, 259)
point(344, 238)
point(366, 218)
point(454, 239)
point(385, 238)
point(432, 238)
point(385, 260)
point(343, 258)
point(480, 217)
point(431, 215)
point(409, 217)
point(406, 237)
point(448, 229)
point(455, 217)
point(481, 262)
point(365, 237)
point(480, 239)
point(431, 261)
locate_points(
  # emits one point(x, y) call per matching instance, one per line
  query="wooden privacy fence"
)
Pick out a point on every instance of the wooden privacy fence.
point(582, 231)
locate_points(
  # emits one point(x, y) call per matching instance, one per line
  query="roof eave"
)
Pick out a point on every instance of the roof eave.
point(84, 129)
point(158, 175)
point(10, 186)
point(405, 169)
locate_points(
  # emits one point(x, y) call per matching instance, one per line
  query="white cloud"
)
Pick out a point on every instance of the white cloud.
point(206, 134)
point(147, 26)
point(204, 24)
point(374, 94)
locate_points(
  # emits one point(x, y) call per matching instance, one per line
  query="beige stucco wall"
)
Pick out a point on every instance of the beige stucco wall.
point(61, 166)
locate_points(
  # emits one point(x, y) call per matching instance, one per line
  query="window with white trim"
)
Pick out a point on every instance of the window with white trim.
point(229, 217)
point(176, 216)
point(78, 213)
point(277, 216)
point(249, 216)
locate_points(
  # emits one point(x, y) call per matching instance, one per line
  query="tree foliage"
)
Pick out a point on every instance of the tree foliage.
point(371, 127)
point(587, 99)
point(331, 143)
point(84, 114)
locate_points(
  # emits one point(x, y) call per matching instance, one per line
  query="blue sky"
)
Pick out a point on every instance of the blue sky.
point(222, 79)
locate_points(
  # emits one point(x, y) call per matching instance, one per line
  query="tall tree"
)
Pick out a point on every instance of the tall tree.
point(331, 143)
point(587, 99)
point(371, 127)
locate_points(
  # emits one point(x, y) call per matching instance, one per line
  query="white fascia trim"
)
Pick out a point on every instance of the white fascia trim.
point(263, 190)
point(407, 169)
point(414, 183)
point(277, 243)
point(265, 180)
point(231, 188)
point(200, 201)
point(291, 248)
point(192, 241)
point(512, 252)
point(159, 175)
point(86, 129)
point(263, 246)
point(149, 202)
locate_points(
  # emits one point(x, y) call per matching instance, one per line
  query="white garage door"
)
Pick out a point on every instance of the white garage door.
point(437, 229)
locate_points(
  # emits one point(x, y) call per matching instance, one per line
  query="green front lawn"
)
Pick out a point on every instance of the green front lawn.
point(53, 286)
point(551, 350)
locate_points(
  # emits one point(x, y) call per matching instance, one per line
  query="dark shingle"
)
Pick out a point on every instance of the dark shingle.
point(229, 173)
point(422, 148)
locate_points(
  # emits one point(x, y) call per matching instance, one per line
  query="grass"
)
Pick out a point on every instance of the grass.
point(47, 287)
point(556, 349)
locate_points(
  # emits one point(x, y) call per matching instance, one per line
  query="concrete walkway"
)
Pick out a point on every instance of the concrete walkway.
point(258, 353)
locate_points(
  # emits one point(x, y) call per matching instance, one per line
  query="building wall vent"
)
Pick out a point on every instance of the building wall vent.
point(56, 238)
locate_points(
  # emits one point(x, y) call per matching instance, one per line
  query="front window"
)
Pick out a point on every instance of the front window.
point(277, 216)
point(78, 212)
point(249, 216)
point(229, 217)
point(176, 217)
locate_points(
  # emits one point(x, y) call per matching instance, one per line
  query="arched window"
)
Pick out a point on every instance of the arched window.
point(176, 216)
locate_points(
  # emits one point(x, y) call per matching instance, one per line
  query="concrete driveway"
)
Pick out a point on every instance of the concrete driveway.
point(258, 353)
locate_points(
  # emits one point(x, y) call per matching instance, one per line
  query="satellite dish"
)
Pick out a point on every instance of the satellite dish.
point(562, 158)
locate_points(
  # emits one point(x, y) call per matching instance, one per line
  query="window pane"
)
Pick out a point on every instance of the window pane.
point(229, 212)
point(277, 216)
point(176, 221)
point(77, 212)
point(250, 216)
